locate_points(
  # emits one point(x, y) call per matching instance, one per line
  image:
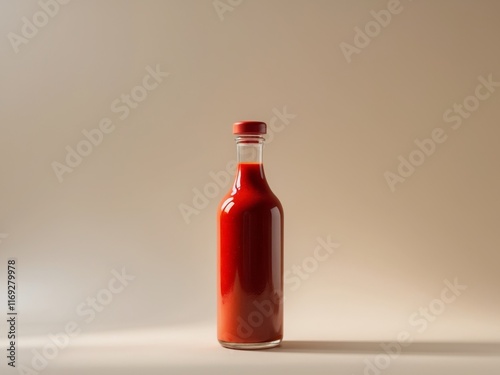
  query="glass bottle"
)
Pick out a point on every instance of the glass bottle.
point(250, 251)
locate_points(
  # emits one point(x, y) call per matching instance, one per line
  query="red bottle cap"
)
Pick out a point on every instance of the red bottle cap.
point(249, 127)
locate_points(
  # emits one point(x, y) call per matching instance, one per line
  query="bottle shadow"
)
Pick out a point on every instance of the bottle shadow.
point(376, 347)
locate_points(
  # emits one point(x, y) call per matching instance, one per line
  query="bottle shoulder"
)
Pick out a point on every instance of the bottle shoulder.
point(244, 200)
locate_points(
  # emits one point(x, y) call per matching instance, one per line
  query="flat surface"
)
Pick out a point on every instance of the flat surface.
point(193, 350)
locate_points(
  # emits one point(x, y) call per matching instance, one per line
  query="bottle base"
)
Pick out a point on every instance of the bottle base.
point(250, 346)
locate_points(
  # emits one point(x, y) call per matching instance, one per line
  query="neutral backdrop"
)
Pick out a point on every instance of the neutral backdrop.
point(346, 109)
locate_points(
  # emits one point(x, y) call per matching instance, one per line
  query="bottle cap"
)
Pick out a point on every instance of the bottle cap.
point(249, 127)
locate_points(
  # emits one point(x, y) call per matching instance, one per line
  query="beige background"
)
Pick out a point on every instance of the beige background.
point(120, 206)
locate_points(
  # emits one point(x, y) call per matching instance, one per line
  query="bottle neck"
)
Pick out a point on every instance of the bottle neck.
point(250, 170)
point(249, 149)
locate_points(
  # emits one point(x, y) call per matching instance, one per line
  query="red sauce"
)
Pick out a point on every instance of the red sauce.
point(250, 260)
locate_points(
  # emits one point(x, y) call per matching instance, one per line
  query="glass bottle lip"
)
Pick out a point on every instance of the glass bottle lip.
point(247, 138)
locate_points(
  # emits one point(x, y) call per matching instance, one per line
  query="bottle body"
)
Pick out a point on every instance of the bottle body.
point(250, 262)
